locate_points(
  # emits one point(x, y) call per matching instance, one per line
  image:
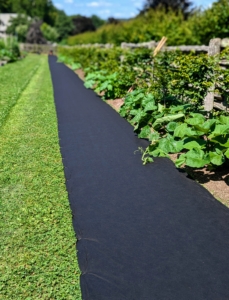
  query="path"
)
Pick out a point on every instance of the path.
point(144, 232)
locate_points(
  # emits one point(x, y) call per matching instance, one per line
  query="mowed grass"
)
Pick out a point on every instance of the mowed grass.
point(37, 241)
point(13, 80)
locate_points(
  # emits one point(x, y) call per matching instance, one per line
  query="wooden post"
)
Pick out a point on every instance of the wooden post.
point(160, 45)
point(214, 48)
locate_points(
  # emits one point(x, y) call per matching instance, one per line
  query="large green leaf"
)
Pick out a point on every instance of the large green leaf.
point(224, 120)
point(223, 140)
point(171, 126)
point(89, 84)
point(219, 130)
point(91, 75)
point(194, 121)
point(150, 106)
point(180, 131)
point(169, 145)
point(198, 116)
point(180, 160)
point(198, 143)
point(104, 86)
point(179, 108)
point(167, 119)
point(148, 98)
point(76, 66)
point(154, 136)
point(206, 126)
point(217, 157)
point(110, 87)
point(196, 158)
point(227, 153)
point(158, 153)
point(184, 131)
point(134, 112)
point(160, 108)
point(145, 132)
point(140, 114)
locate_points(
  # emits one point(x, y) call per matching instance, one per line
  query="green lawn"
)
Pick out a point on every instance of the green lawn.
point(14, 78)
point(37, 241)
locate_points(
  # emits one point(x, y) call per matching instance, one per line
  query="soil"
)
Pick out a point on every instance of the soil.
point(116, 104)
point(80, 73)
point(216, 182)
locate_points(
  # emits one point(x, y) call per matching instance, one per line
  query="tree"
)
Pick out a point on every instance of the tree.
point(19, 26)
point(50, 33)
point(97, 22)
point(212, 22)
point(34, 35)
point(63, 25)
point(5, 6)
point(112, 20)
point(177, 5)
point(42, 9)
point(82, 24)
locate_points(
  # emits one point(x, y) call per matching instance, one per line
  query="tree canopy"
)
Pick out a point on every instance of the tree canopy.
point(63, 25)
point(177, 5)
point(82, 24)
point(42, 9)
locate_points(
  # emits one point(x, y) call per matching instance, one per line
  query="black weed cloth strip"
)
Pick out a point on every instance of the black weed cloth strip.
point(144, 232)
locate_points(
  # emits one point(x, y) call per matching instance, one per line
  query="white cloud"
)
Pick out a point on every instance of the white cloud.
point(105, 12)
point(79, 5)
point(68, 1)
point(98, 4)
point(138, 3)
point(58, 5)
point(119, 15)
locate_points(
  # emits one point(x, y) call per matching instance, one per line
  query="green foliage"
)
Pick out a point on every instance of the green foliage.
point(177, 5)
point(213, 22)
point(104, 83)
point(5, 6)
point(151, 26)
point(198, 28)
point(37, 241)
point(63, 25)
point(97, 21)
point(165, 105)
point(49, 33)
point(36, 9)
point(9, 49)
point(42, 9)
point(19, 26)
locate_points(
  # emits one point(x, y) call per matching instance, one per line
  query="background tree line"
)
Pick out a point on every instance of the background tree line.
point(178, 20)
point(55, 26)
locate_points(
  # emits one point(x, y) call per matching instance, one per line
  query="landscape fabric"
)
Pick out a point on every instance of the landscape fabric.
point(143, 232)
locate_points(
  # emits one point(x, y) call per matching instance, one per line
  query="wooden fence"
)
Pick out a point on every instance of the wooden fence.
point(37, 48)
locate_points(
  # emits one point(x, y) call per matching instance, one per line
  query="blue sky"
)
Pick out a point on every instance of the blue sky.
point(108, 8)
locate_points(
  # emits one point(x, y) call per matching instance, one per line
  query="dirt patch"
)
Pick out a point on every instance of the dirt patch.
point(116, 104)
point(80, 73)
point(216, 182)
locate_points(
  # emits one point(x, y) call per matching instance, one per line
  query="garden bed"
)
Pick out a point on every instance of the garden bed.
point(215, 181)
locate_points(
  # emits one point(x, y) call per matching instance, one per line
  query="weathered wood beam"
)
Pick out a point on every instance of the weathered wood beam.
point(214, 49)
